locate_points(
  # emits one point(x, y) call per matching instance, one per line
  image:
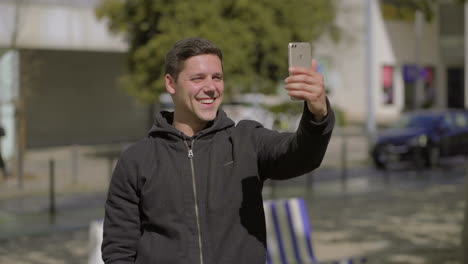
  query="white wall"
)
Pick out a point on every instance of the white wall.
point(57, 27)
point(8, 93)
point(346, 59)
point(394, 44)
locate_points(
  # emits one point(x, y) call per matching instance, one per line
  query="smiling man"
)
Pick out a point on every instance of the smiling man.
point(197, 90)
point(191, 192)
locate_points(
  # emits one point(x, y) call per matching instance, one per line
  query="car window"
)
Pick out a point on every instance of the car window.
point(417, 120)
point(461, 120)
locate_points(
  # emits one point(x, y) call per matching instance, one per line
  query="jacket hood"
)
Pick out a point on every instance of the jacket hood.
point(163, 126)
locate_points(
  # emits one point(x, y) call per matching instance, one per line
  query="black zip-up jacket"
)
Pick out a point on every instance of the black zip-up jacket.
point(175, 199)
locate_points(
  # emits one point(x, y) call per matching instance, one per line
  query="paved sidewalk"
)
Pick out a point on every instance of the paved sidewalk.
point(88, 168)
point(411, 221)
point(79, 194)
point(398, 218)
point(82, 174)
point(76, 169)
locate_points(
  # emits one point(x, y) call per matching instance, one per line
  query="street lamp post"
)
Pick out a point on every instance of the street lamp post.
point(464, 240)
point(418, 87)
point(371, 127)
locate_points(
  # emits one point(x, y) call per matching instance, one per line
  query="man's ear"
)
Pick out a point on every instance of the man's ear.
point(170, 84)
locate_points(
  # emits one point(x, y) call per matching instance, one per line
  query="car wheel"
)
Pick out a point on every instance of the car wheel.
point(432, 156)
point(419, 158)
point(380, 159)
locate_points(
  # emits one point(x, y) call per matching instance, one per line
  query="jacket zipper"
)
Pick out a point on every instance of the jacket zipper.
point(195, 196)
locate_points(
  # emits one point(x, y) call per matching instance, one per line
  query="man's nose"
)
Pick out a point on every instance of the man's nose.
point(210, 86)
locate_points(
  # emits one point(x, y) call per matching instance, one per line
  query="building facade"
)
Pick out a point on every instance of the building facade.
point(59, 69)
point(401, 53)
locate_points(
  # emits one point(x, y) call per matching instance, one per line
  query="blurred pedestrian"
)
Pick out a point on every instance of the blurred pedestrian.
point(191, 192)
point(2, 162)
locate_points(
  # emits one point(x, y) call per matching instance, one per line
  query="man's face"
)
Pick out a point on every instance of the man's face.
point(199, 89)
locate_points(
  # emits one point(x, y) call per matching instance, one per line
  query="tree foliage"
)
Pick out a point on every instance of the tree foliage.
point(405, 9)
point(252, 34)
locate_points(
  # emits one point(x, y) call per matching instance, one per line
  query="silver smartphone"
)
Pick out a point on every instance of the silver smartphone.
point(299, 54)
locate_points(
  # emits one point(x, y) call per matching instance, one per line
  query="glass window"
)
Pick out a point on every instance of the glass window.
point(387, 84)
point(416, 120)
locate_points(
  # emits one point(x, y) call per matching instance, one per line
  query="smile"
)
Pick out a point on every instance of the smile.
point(206, 100)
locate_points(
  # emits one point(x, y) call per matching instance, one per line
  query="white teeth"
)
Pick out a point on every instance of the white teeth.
point(206, 101)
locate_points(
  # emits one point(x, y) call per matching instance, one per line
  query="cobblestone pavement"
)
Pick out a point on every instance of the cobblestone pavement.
point(404, 216)
point(61, 247)
point(414, 220)
point(399, 226)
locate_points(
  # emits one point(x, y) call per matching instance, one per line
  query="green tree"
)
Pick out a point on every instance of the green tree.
point(252, 34)
point(404, 9)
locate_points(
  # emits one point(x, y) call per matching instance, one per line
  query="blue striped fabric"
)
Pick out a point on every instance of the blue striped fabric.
point(289, 234)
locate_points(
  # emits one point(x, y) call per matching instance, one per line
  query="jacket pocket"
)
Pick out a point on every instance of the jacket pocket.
point(156, 248)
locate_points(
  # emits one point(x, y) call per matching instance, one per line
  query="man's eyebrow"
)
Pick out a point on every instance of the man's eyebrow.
point(197, 74)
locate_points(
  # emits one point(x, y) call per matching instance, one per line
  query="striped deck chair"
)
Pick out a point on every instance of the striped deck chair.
point(289, 234)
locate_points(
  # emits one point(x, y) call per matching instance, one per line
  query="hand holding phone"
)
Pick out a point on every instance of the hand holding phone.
point(304, 82)
point(299, 54)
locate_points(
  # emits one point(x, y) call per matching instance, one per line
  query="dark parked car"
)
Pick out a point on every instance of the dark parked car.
point(423, 137)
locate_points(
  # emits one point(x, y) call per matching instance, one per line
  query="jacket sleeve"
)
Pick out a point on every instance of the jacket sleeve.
point(287, 155)
point(122, 220)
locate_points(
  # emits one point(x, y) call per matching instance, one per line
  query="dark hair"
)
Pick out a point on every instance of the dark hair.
point(186, 48)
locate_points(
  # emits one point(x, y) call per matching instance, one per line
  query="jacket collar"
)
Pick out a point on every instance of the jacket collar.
point(163, 126)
